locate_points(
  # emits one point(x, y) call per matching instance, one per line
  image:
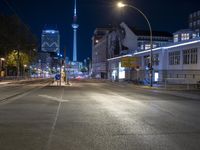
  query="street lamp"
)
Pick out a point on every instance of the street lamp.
point(25, 70)
point(121, 5)
point(1, 65)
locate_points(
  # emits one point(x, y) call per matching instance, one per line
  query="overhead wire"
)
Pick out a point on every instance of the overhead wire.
point(16, 14)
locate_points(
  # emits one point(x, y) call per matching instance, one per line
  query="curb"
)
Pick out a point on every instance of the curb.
point(176, 92)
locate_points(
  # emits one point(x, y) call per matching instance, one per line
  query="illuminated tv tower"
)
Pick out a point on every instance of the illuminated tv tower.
point(75, 27)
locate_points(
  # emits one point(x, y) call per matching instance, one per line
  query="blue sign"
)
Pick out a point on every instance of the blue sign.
point(57, 76)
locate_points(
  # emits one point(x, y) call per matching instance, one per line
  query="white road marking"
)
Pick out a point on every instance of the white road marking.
point(56, 117)
point(53, 98)
point(2, 83)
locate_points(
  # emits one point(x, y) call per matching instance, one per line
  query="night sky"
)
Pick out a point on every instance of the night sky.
point(166, 15)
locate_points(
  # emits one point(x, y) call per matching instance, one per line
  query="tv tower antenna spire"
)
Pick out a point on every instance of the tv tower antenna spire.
point(75, 27)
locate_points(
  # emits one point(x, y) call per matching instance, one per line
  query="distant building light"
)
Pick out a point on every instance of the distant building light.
point(50, 31)
point(185, 36)
point(97, 41)
point(194, 35)
point(175, 38)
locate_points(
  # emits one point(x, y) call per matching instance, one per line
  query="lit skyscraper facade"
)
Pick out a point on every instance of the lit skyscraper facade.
point(75, 27)
point(194, 22)
point(50, 41)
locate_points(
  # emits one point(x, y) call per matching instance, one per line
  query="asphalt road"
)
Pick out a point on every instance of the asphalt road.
point(97, 116)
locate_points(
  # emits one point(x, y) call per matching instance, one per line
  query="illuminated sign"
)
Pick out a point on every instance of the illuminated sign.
point(131, 62)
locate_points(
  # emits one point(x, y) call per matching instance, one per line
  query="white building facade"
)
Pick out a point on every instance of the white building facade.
point(177, 62)
point(108, 43)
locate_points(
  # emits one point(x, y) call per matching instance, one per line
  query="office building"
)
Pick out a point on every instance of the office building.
point(111, 42)
point(50, 41)
point(194, 21)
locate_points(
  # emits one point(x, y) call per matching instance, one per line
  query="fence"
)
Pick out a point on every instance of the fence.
point(167, 77)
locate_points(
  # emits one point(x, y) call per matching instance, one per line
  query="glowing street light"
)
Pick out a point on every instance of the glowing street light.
point(2, 59)
point(24, 70)
point(120, 5)
point(1, 64)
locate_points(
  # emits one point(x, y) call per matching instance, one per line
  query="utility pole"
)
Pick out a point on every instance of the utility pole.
point(60, 71)
point(65, 64)
point(18, 68)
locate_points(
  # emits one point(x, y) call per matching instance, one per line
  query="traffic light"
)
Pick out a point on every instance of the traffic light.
point(150, 67)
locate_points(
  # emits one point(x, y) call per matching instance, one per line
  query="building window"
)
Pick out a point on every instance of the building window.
point(194, 35)
point(198, 13)
point(186, 56)
point(190, 25)
point(185, 36)
point(176, 38)
point(194, 23)
point(198, 22)
point(142, 47)
point(156, 59)
point(174, 58)
point(148, 46)
point(190, 56)
point(193, 56)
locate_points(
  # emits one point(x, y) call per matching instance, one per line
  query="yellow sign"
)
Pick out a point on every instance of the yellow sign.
point(131, 62)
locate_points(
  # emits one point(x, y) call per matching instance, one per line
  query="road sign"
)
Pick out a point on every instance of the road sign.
point(57, 76)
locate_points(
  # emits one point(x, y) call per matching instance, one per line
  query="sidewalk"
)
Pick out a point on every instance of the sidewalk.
point(176, 90)
point(21, 87)
point(4, 82)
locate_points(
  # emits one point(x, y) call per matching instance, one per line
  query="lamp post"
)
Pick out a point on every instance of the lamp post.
point(88, 65)
point(1, 65)
point(24, 73)
point(120, 5)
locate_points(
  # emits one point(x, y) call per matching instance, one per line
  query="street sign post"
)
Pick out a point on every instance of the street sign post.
point(57, 78)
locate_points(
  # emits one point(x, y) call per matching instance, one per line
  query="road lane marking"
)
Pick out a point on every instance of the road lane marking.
point(55, 120)
point(19, 95)
point(53, 98)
